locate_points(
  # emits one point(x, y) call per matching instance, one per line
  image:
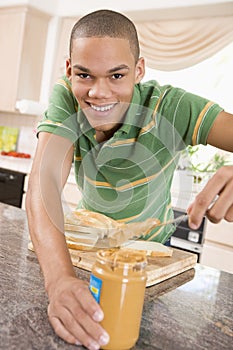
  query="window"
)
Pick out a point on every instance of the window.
point(213, 79)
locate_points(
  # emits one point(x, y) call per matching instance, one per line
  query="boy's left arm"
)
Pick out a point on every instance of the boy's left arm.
point(221, 133)
point(220, 186)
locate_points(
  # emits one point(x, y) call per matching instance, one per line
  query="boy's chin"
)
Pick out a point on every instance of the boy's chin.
point(108, 129)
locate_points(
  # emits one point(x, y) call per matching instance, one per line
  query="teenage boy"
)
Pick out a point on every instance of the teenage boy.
point(125, 137)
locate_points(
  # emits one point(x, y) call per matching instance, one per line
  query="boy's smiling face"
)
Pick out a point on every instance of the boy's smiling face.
point(103, 73)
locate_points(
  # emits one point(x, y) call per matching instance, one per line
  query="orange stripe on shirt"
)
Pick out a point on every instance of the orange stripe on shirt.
point(129, 218)
point(147, 127)
point(198, 122)
point(123, 142)
point(158, 103)
point(131, 184)
point(64, 83)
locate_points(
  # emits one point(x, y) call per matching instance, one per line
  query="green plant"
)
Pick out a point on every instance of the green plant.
point(194, 165)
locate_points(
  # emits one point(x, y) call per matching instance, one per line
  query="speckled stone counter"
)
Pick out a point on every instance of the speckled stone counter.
point(193, 310)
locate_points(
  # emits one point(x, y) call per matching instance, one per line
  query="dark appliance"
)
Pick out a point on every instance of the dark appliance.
point(187, 239)
point(11, 187)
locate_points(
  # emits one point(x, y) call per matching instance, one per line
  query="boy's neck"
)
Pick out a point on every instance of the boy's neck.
point(102, 136)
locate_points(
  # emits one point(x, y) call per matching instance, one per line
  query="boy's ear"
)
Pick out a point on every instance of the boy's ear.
point(140, 70)
point(68, 68)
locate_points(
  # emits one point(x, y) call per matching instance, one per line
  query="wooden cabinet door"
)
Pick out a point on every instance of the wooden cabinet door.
point(11, 39)
point(217, 256)
point(23, 33)
point(62, 52)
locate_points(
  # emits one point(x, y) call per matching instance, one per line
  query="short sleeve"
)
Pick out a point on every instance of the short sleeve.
point(191, 116)
point(60, 117)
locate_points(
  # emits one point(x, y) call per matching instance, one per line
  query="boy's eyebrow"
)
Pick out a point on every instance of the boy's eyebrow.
point(84, 69)
point(112, 70)
point(115, 69)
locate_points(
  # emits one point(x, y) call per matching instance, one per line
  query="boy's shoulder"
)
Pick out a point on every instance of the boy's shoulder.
point(64, 82)
point(151, 91)
point(152, 86)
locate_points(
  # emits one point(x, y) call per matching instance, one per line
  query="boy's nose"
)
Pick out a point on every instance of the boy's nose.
point(100, 89)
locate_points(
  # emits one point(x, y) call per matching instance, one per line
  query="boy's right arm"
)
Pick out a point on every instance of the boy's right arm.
point(72, 310)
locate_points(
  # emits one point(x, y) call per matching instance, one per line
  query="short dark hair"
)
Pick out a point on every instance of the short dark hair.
point(106, 23)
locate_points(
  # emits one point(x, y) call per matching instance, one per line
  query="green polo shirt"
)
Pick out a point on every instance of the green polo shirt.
point(128, 178)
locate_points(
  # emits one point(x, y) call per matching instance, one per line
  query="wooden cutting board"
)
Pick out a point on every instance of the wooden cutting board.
point(158, 268)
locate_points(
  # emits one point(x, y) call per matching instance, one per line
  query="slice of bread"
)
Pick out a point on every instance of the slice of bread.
point(87, 218)
point(152, 248)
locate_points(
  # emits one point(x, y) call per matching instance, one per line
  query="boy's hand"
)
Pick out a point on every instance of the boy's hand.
point(215, 200)
point(75, 315)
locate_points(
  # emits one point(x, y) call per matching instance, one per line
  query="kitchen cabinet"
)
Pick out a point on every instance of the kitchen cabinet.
point(24, 191)
point(62, 52)
point(218, 246)
point(11, 187)
point(23, 33)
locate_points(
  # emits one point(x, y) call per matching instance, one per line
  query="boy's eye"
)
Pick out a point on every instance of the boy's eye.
point(83, 75)
point(117, 76)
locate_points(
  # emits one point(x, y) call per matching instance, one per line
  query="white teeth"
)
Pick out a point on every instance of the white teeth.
point(102, 108)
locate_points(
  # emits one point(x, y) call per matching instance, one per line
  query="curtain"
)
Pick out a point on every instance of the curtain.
point(170, 45)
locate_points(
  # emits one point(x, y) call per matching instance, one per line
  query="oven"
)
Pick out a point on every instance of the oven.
point(187, 239)
point(11, 187)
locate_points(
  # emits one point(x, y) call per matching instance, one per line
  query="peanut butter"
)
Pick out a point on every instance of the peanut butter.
point(118, 282)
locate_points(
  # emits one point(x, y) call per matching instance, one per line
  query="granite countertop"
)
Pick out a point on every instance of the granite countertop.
point(193, 310)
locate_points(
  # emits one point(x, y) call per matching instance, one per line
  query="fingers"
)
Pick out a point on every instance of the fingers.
point(222, 207)
point(61, 330)
point(75, 316)
point(229, 215)
point(200, 206)
point(89, 305)
point(220, 185)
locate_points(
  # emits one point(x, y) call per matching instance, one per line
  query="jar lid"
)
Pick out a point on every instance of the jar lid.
point(119, 256)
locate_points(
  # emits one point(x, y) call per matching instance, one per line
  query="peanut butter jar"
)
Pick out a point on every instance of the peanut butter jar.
point(118, 282)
